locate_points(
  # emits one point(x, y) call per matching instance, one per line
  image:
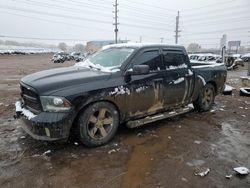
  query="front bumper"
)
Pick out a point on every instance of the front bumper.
point(49, 126)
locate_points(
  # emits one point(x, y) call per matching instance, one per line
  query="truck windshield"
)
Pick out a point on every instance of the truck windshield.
point(108, 59)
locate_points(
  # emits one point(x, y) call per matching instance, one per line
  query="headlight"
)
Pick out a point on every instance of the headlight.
point(55, 104)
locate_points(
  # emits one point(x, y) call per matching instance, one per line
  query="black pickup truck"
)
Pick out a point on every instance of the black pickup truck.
point(128, 84)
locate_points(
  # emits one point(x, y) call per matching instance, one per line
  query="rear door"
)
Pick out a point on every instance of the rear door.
point(176, 77)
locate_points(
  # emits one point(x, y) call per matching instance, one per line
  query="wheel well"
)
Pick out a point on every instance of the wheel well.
point(214, 84)
point(74, 124)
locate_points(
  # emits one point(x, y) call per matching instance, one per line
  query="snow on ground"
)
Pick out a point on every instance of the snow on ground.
point(8, 49)
point(228, 88)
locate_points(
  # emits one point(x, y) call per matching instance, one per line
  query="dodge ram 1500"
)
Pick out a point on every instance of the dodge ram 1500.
point(128, 84)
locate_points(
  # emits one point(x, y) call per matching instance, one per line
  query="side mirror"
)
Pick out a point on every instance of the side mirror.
point(138, 70)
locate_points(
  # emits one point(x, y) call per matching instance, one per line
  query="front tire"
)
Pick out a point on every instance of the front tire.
point(205, 99)
point(98, 124)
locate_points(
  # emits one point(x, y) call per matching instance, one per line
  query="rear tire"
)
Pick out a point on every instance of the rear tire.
point(205, 99)
point(98, 124)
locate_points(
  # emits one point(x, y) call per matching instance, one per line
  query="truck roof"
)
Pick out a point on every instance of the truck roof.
point(141, 45)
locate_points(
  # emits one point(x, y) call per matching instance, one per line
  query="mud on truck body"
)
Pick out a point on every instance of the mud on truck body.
point(128, 84)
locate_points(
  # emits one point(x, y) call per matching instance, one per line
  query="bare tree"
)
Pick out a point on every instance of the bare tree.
point(62, 46)
point(79, 48)
point(11, 43)
point(193, 47)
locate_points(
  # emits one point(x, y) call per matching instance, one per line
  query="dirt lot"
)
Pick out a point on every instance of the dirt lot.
point(162, 154)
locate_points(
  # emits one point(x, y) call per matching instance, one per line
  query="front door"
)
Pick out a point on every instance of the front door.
point(146, 91)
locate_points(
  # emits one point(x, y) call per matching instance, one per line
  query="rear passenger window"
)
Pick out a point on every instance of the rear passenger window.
point(150, 58)
point(173, 59)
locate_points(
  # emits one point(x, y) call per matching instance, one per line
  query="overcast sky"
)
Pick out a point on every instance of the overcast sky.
point(75, 21)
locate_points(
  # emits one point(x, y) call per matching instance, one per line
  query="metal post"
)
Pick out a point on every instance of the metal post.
point(223, 52)
point(177, 28)
point(116, 23)
point(248, 73)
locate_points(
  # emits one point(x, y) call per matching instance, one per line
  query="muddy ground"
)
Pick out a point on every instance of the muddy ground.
point(163, 154)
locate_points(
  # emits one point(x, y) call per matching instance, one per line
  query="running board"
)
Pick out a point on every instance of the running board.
point(157, 117)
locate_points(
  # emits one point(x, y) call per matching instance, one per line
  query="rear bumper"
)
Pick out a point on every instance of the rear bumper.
point(48, 126)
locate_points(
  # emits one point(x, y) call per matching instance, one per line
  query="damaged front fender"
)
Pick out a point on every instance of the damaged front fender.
point(48, 126)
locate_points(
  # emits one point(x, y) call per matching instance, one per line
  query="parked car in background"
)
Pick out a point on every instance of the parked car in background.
point(245, 57)
point(60, 57)
point(77, 56)
point(205, 57)
point(232, 61)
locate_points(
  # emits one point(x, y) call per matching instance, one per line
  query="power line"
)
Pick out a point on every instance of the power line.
point(48, 5)
point(59, 7)
point(37, 38)
point(145, 20)
point(208, 17)
point(142, 13)
point(64, 23)
point(209, 5)
point(128, 7)
point(208, 23)
point(150, 5)
point(34, 3)
point(227, 30)
point(88, 4)
point(145, 26)
point(75, 25)
point(220, 10)
point(53, 14)
point(59, 22)
point(139, 13)
point(136, 5)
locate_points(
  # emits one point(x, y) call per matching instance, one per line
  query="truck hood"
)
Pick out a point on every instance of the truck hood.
point(49, 81)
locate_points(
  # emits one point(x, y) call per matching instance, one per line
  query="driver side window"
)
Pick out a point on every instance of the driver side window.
point(151, 58)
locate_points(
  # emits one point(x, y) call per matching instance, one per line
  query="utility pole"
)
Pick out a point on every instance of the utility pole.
point(248, 72)
point(116, 23)
point(177, 31)
point(161, 40)
point(140, 39)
